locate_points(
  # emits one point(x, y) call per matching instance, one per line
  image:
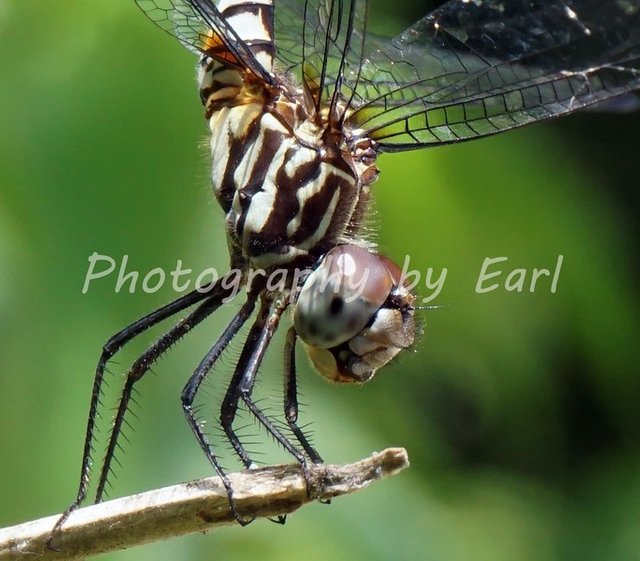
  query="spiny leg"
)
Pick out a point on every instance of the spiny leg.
point(291, 396)
point(242, 383)
point(110, 348)
point(243, 380)
point(142, 365)
point(193, 385)
point(228, 408)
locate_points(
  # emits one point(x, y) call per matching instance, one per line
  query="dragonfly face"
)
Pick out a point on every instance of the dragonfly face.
point(354, 314)
point(300, 102)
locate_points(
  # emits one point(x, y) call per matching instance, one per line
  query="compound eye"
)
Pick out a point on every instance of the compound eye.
point(341, 296)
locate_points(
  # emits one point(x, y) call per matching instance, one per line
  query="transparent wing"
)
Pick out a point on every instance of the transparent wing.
point(327, 55)
point(474, 68)
point(289, 19)
point(199, 26)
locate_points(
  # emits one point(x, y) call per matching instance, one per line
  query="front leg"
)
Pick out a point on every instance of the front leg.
point(291, 396)
point(243, 381)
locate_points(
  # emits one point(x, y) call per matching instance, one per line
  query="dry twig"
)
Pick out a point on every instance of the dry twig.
point(196, 506)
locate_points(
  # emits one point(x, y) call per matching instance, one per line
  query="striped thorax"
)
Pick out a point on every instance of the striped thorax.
point(290, 186)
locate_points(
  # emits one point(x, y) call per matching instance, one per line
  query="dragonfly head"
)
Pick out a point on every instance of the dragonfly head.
point(354, 314)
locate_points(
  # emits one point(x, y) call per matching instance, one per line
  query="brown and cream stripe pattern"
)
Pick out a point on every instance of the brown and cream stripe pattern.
point(287, 184)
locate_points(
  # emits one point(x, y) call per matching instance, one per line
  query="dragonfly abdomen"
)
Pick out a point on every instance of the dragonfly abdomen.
point(221, 73)
point(253, 23)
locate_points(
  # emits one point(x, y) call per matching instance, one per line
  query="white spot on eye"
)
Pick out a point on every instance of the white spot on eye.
point(346, 264)
point(339, 298)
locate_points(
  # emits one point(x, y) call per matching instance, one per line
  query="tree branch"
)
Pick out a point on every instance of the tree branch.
point(196, 506)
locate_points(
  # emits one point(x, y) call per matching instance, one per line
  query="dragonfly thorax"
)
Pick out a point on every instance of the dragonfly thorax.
point(291, 188)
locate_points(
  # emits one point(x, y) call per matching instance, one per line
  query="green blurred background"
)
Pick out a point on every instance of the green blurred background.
point(519, 410)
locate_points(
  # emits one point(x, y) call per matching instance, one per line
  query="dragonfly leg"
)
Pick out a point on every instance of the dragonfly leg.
point(291, 396)
point(142, 365)
point(243, 380)
point(193, 385)
point(110, 349)
point(242, 383)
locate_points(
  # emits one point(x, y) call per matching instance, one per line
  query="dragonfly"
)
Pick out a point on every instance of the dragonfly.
point(300, 100)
